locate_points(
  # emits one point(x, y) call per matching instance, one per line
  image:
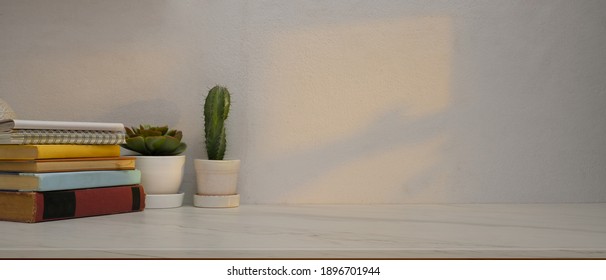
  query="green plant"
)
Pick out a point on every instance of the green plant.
point(154, 140)
point(216, 111)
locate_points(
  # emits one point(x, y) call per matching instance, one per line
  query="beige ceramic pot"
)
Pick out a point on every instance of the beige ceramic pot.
point(217, 183)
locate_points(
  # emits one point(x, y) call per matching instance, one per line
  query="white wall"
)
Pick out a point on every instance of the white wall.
point(338, 101)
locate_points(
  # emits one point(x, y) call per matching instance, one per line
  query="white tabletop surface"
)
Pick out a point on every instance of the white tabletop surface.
point(321, 231)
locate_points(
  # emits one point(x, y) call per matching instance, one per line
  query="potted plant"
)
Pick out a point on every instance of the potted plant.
point(159, 161)
point(216, 177)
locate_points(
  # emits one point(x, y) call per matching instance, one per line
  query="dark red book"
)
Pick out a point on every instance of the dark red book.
point(32, 207)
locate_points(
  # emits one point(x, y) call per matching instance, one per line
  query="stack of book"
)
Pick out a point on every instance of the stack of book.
point(52, 170)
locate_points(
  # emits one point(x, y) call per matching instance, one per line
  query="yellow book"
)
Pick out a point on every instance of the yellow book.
point(31, 152)
point(68, 164)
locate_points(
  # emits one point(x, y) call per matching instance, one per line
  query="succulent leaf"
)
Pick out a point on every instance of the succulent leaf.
point(136, 144)
point(169, 145)
point(154, 143)
point(129, 132)
point(178, 135)
point(181, 148)
point(163, 130)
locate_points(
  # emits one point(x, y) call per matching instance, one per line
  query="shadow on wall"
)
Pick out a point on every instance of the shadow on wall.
point(354, 113)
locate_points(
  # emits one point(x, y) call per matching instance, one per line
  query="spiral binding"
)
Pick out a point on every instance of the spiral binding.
point(81, 137)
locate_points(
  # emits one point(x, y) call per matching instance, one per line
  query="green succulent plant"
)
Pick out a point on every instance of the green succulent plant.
point(154, 140)
point(216, 111)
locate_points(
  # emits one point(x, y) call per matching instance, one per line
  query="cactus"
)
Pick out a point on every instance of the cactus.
point(216, 111)
point(154, 140)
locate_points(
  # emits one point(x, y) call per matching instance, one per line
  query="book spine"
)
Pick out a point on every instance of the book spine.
point(88, 202)
point(29, 152)
point(86, 179)
point(79, 137)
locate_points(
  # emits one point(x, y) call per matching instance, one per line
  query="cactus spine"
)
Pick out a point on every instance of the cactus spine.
point(216, 111)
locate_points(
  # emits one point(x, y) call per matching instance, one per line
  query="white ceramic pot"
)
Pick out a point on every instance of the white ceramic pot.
point(161, 174)
point(217, 177)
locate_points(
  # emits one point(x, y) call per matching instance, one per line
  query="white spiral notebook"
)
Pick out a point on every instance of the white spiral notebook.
point(33, 132)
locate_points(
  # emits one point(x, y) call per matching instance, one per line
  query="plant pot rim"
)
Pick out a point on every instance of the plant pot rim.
point(215, 160)
point(142, 156)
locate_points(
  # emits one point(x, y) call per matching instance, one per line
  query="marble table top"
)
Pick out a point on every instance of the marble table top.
point(415, 231)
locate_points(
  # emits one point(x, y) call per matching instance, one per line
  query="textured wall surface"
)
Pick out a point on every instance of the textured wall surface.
point(337, 101)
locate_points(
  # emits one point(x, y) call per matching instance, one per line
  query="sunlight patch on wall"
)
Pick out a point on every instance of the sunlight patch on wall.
point(333, 79)
point(349, 112)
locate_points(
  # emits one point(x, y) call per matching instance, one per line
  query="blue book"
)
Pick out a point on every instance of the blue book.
point(68, 180)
